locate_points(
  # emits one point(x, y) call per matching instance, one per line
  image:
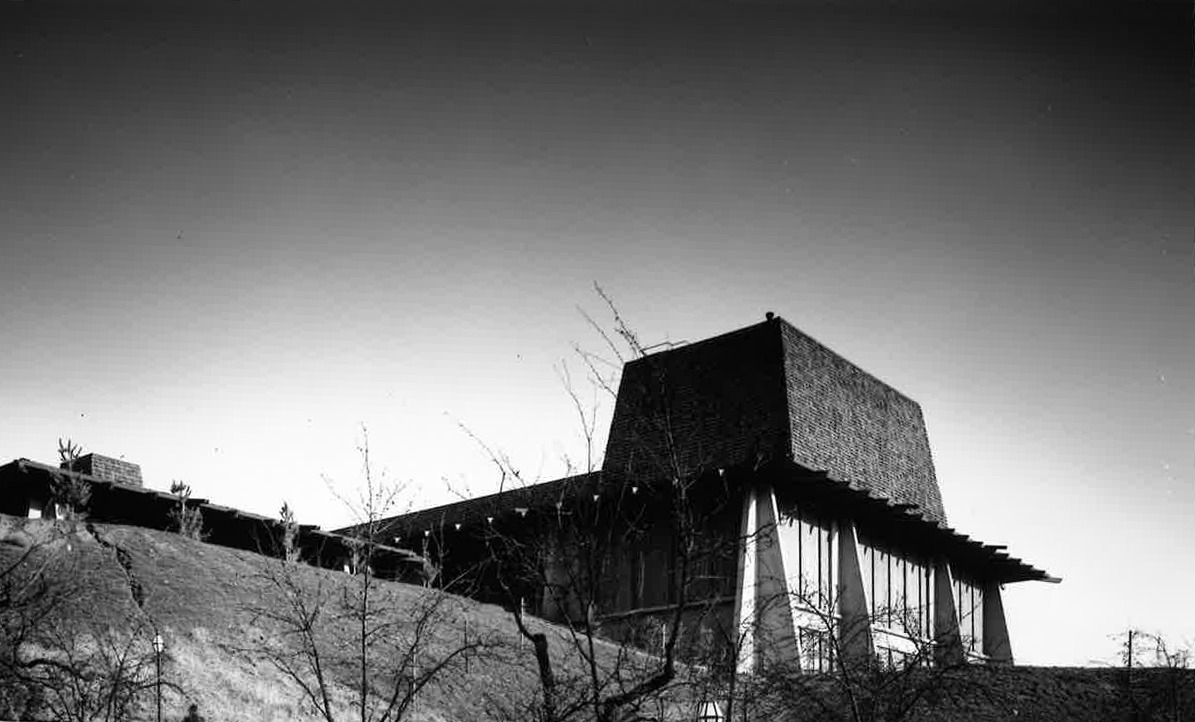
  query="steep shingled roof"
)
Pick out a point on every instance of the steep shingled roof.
point(769, 392)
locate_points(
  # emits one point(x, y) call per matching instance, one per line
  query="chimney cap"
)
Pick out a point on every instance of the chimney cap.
point(769, 315)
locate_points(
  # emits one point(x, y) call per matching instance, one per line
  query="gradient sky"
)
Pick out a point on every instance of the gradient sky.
point(234, 232)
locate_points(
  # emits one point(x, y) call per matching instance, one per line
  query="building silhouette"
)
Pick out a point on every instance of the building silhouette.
point(118, 495)
point(777, 497)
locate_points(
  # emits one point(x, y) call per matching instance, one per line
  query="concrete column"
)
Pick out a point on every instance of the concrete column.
point(776, 639)
point(763, 615)
point(744, 607)
point(948, 644)
point(854, 608)
point(996, 643)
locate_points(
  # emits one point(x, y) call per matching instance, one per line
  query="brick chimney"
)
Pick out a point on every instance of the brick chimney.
point(107, 468)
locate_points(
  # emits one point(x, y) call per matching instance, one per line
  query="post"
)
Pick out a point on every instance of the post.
point(159, 645)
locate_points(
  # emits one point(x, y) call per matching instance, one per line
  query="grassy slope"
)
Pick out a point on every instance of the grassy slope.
point(200, 596)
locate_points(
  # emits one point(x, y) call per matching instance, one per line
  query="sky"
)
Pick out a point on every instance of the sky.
point(233, 235)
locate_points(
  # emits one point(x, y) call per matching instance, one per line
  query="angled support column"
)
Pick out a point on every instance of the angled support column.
point(996, 643)
point(763, 614)
point(948, 644)
point(744, 603)
point(776, 638)
point(853, 608)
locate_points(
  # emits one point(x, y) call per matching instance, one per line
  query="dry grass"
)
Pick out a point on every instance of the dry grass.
point(200, 596)
point(201, 599)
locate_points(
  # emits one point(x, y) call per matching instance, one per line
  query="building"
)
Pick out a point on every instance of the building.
point(772, 494)
point(118, 496)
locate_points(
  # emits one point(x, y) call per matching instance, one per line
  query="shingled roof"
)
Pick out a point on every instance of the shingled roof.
point(765, 393)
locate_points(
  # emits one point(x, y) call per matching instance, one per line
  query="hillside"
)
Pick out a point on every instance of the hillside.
point(203, 599)
point(207, 600)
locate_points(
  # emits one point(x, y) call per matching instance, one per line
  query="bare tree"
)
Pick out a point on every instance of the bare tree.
point(31, 594)
point(56, 660)
point(98, 673)
point(592, 671)
point(359, 647)
point(674, 506)
point(1158, 682)
point(833, 682)
point(38, 590)
point(560, 560)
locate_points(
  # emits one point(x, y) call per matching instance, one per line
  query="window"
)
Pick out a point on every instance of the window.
point(916, 614)
point(809, 544)
point(898, 585)
point(709, 712)
point(892, 659)
point(968, 599)
point(817, 651)
point(881, 587)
